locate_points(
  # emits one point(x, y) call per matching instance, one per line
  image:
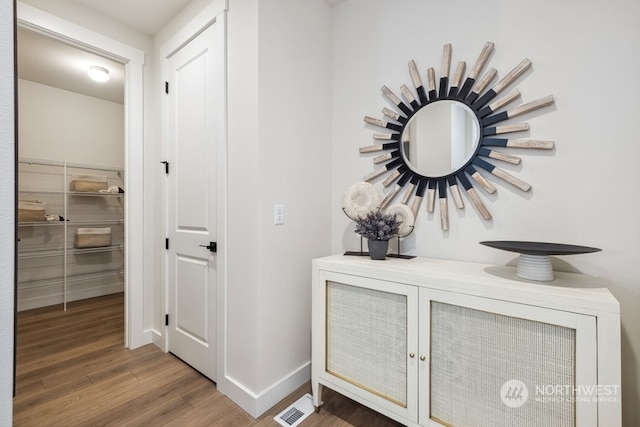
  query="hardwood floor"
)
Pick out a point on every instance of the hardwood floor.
point(72, 370)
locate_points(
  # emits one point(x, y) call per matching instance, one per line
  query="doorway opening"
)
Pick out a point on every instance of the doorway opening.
point(70, 174)
point(132, 61)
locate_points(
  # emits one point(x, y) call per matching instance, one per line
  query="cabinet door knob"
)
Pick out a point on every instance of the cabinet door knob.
point(422, 358)
point(412, 355)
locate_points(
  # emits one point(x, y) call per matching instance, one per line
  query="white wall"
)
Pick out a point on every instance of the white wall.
point(279, 153)
point(584, 192)
point(57, 124)
point(294, 157)
point(7, 210)
point(244, 189)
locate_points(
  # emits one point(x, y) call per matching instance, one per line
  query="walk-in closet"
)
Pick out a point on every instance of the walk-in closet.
point(71, 174)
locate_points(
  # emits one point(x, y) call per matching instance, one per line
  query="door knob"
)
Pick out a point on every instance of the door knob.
point(212, 246)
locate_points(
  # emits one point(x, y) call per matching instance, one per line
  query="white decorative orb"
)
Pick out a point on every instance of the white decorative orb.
point(404, 215)
point(360, 199)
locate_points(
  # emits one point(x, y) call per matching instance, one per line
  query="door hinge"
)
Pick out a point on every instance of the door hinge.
point(166, 320)
point(166, 87)
point(166, 243)
point(166, 166)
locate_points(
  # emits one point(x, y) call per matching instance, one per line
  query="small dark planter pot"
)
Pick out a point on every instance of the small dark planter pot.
point(378, 249)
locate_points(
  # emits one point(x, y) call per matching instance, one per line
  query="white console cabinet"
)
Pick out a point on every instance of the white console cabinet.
point(443, 343)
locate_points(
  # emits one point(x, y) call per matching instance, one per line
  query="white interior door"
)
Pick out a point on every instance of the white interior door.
point(193, 76)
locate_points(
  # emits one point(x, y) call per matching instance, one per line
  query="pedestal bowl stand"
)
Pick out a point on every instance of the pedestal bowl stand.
point(534, 262)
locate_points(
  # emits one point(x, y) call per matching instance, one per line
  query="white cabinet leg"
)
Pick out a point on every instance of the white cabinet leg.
point(316, 390)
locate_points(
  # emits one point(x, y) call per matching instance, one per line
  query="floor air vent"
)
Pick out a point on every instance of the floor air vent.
point(296, 413)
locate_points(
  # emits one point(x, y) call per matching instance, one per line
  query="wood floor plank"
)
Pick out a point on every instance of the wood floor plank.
point(161, 362)
point(204, 414)
point(37, 399)
point(46, 361)
point(200, 393)
point(115, 366)
point(65, 374)
point(106, 397)
point(73, 370)
point(156, 402)
point(66, 405)
point(161, 414)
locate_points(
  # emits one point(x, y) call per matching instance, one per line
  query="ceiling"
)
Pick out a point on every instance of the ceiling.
point(50, 62)
point(146, 16)
point(44, 60)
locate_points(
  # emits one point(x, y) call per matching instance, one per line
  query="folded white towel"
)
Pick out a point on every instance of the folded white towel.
point(114, 189)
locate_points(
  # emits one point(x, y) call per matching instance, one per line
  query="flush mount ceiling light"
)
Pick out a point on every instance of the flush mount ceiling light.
point(98, 74)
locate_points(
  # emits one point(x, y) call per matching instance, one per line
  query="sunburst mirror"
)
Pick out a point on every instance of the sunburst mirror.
point(439, 137)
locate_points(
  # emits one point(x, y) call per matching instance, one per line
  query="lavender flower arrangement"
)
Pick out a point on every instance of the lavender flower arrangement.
point(376, 225)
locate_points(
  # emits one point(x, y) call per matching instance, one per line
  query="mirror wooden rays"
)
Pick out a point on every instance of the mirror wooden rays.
point(493, 117)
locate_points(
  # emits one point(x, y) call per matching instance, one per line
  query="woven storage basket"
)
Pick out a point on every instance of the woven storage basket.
point(88, 183)
point(31, 210)
point(93, 237)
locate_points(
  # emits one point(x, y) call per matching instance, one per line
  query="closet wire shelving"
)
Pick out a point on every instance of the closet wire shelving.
point(49, 261)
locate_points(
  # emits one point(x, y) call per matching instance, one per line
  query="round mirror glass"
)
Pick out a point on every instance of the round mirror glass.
point(440, 138)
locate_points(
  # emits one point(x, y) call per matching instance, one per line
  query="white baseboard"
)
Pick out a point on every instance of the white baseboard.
point(257, 404)
point(156, 338)
point(140, 339)
point(31, 297)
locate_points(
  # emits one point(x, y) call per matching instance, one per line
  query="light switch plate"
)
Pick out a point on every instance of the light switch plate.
point(278, 214)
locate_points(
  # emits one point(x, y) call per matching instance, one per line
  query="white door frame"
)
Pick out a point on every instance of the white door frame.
point(214, 13)
point(133, 60)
